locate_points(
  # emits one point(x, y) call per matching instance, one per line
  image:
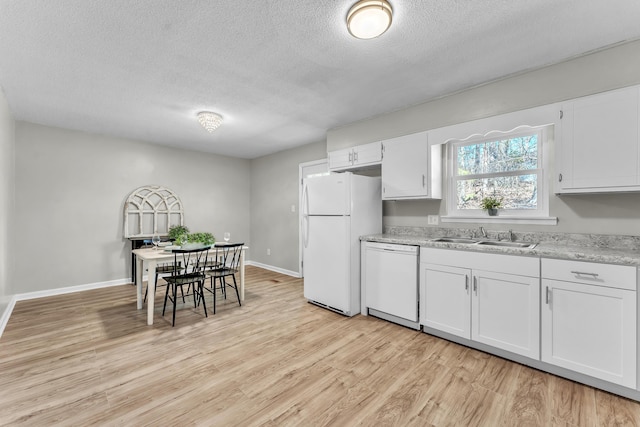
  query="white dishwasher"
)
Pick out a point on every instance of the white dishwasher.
point(390, 282)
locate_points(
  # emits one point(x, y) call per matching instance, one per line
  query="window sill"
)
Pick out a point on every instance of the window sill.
point(537, 220)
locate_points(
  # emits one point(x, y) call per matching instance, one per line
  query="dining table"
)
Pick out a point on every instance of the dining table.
point(149, 258)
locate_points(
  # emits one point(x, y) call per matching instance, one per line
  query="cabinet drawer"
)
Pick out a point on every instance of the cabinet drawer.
point(591, 273)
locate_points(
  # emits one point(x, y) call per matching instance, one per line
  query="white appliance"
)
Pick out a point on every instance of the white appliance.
point(337, 210)
point(391, 282)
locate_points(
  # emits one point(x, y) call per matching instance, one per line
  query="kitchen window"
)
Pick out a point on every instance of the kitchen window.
point(503, 165)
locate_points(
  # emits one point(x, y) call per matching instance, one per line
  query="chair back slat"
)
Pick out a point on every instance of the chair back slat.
point(230, 255)
point(194, 258)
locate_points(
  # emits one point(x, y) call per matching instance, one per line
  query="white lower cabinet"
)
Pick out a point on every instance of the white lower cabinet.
point(589, 319)
point(489, 298)
point(505, 312)
point(445, 302)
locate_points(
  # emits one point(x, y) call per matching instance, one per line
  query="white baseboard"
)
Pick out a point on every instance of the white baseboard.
point(4, 319)
point(272, 268)
point(71, 289)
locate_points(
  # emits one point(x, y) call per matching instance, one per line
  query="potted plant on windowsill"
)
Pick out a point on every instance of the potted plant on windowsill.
point(491, 205)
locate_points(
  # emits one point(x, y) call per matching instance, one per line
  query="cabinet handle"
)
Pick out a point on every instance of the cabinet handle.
point(355, 156)
point(583, 273)
point(560, 178)
point(351, 157)
point(423, 181)
point(466, 283)
point(547, 296)
point(475, 285)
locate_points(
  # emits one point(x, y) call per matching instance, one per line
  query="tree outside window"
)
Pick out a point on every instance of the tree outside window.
point(508, 167)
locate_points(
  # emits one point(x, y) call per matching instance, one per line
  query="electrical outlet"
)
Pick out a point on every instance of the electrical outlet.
point(293, 208)
point(268, 251)
point(433, 219)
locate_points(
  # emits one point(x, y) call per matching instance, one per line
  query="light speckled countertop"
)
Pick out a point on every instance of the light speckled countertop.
point(622, 250)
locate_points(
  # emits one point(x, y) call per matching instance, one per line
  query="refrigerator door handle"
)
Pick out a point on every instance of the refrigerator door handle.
point(305, 216)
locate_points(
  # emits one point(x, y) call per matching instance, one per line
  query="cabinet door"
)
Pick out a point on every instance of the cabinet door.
point(590, 329)
point(599, 145)
point(367, 154)
point(340, 159)
point(445, 302)
point(405, 167)
point(506, 312)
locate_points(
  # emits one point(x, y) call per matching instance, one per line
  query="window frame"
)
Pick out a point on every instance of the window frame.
point(506, 215)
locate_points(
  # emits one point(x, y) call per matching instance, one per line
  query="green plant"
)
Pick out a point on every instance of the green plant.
point(490, 203)
point(175, 231)
point(204, 238)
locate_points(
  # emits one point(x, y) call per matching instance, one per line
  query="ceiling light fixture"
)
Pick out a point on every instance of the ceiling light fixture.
point(210, 121)
point(368, 19)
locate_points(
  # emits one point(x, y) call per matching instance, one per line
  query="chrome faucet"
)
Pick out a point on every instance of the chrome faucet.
point(483, 232)
point(511, 236)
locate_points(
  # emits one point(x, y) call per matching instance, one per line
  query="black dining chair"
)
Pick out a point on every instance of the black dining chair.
point(228, 257)
point(194, 261)
point(162, 270)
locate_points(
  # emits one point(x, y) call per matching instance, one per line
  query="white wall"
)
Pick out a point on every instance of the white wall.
point(605, 70)
point(7, 180)
point(274, 189)
point(70, 192)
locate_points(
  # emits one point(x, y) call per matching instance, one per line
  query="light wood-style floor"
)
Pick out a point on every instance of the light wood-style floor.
point(90, 359)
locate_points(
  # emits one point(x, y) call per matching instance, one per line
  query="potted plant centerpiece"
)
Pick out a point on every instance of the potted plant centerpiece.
point(181, 237)
point(201, 238)
point(195, 240)
point(177, 231)
point(491, 205)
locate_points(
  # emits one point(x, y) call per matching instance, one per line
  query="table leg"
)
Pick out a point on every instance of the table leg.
point(138, 281)
point(151, 289)
point(242, 275)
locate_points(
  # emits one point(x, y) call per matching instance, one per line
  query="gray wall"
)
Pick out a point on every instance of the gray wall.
point(70, 192)
point(7, 179)
point(274, 188)
point(605, 70)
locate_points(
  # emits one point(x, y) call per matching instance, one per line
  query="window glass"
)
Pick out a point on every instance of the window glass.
point(511, 154)
point(507, 167)
point(516, 192)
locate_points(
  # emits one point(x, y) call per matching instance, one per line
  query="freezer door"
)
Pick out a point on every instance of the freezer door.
point(326, 262)
point(327, 195)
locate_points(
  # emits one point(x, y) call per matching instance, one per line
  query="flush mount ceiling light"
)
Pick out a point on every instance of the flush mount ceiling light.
point(210, 121)
point(368, 19)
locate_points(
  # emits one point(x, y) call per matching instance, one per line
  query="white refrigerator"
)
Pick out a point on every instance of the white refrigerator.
point(337, 209)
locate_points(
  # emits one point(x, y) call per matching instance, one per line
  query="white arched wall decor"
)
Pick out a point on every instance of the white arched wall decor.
point(151, 210)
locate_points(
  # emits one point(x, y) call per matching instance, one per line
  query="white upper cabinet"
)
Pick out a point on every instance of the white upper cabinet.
point(367, 154)
point(599, 147)
point(341, 159)
point(411, 169)
point(354, 158)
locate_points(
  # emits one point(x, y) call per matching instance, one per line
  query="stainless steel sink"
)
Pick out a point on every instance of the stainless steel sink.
point(455, 240)
point(522, 245)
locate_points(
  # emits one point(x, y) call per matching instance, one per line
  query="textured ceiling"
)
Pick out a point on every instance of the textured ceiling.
point(280, 72)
